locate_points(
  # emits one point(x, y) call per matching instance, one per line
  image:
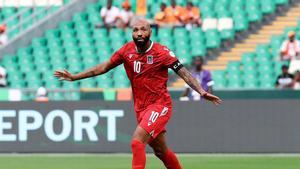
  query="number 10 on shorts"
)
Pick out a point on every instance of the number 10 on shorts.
point(154, 116)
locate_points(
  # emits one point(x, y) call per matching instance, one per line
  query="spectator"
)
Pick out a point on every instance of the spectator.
point(160, 18)
point(41, 95)
point(191, 16)
point(126, 15)
point(3, 75)
point(204, 78)
point(109, 15)
point(174, 14)
point(296, 84)
point(3, 35)
point(285, 80)
point(290, 48)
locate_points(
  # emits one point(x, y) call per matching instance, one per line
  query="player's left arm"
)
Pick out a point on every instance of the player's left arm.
point(193, 83)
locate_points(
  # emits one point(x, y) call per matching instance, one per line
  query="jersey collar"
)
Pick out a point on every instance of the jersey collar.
point(150, 47)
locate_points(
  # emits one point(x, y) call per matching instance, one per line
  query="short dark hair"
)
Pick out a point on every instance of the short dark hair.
point(199, 57)
point(284, 67)
point(190, 3)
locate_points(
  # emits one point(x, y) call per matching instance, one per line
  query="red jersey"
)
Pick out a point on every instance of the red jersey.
point(147, 72)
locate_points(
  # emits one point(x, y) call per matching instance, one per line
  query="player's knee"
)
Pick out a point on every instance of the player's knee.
point(158, 152)
point(136, 144)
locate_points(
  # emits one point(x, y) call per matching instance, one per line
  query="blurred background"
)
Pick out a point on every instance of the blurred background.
point(245, 51)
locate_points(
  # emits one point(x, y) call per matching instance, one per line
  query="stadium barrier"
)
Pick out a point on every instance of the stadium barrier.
point(237, 126)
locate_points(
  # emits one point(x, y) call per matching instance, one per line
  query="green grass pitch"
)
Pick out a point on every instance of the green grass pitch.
point(115, 161)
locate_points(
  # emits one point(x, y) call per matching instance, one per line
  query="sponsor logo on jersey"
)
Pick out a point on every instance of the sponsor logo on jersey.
point(149, 59)
point(171, 54)
point(164, 111)
point(152, 133)
point(130, 56)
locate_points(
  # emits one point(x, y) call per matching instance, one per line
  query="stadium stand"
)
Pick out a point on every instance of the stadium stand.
point(77, 45)
point(257, 56)
point(249, 60)
point(20, 15)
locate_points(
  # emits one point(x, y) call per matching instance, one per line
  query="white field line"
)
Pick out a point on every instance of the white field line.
point(149, 155)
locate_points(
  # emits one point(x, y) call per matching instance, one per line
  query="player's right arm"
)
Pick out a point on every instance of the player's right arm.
point(115, 60)
point(91, 72)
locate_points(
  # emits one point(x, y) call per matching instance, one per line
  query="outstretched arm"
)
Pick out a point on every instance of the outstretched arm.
point(194, 84)
point(91, 72)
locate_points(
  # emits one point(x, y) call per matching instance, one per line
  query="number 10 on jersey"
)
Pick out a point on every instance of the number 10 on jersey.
point(137, 66)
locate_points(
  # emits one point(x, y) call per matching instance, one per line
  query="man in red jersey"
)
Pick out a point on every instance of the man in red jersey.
point(146, 64)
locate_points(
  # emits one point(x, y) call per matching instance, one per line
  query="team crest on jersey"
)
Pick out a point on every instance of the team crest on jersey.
point(149, 59)
point(130, 56)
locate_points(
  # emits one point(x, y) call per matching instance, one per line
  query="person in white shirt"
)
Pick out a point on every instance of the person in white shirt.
point(41, 95)
point(109, 14)
point(3, 35)
point(296, 84)
point(290, 48)
point(2, 77)
point(126, 15)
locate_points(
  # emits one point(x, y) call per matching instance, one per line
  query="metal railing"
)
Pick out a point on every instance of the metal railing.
point(28, 20)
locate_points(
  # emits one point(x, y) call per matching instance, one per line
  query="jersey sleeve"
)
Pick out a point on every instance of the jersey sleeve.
point(169, 57)
point(117, 57)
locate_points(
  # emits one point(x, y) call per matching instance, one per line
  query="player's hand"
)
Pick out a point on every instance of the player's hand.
point(214, 99)
point(64, 75)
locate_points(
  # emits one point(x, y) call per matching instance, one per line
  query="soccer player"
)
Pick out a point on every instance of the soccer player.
point(146, 64)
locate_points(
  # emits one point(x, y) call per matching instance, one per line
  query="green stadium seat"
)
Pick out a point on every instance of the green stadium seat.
point(88, 83)
point(184, 56)
point(240, 24)
point(233, 66)
point(227, 34)
point(234, 84)
point(197, 34)
point(180, 33)
point(164, 33)
point(72, 96)
point(267, 6)
point(198, 49)
point(52, 84)
point(213, 39)
point(79, 17)
point(281, 2)
point(250, 81)
point(56, 96)
point(254, 15)
point(248, 57)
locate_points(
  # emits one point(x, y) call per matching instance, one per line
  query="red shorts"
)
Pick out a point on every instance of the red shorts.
point(154, 120)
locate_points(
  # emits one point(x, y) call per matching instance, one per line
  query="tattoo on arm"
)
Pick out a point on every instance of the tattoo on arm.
point(190, 80)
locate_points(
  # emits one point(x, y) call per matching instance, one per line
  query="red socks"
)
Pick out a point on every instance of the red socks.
point(170, 160)
point(139, 157)
point(139, 154)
